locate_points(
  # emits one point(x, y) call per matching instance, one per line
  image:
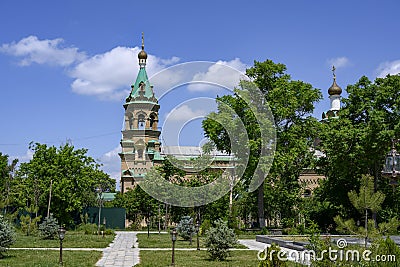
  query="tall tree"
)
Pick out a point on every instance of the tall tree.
point(7, 171)
point(292, 103)
point(74, 177)
point(357, 142)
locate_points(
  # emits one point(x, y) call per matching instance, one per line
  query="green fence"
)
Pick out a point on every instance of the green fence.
point(113, 218)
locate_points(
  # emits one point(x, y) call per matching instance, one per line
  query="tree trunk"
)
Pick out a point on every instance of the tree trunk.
point(260, 206)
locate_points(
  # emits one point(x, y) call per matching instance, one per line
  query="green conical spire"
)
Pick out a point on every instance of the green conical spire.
point(141, 89)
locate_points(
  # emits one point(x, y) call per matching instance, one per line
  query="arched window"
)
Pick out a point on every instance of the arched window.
point(141, 122)
point(140, 153)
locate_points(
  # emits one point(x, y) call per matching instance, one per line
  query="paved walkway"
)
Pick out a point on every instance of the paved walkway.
point(122, 252)
point(252, 244)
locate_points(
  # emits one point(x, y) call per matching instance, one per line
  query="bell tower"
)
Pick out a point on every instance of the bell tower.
point(140, 135)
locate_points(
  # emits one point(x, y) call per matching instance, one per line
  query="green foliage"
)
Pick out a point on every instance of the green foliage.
point(137, 203)
point(205, 225)
point(366, 199)
point(7, 235)
point(74, 176)
point(219, 240)
point(292, 104)
point(269, 257)
point(7, 172)
point(49, 228)
point(318, 245)
point(109, 232)
point(186, 227)
point(363, 201)
point(357, 142)
point(88, 228)
point(386, 247)
point(29, 224)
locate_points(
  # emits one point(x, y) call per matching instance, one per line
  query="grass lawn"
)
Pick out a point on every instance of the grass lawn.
point(32, 258)
point(246, 236)
point(294, 238)
point(164, 241)
point(196, 259)
point(243, 258)
point(73, 239)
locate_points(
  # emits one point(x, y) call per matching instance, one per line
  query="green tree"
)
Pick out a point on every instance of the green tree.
point(7, 171)
point(356, 144)
point(29, 220)
point(292, 103)
point(74, 177)
point(366, 200)
point(49, 228)
point(7, 235)
point(186, 227)
point(219, 239)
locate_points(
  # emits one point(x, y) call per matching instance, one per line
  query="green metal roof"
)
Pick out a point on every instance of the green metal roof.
point(142, 78)
point(158, 156)
point(107, 196)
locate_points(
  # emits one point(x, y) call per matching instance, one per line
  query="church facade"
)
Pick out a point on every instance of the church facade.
point(141, 147)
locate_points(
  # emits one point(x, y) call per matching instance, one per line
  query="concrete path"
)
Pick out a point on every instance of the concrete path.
point(252, 244)
point(122, 252)
point(291, 254)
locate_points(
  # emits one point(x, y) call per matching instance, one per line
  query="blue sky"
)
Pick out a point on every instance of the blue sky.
point(66, 66)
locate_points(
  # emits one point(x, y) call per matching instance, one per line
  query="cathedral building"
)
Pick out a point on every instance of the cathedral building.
point(141, 146)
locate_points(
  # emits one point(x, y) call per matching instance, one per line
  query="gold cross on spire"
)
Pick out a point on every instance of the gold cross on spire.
point(333, 70)
point(142, 40)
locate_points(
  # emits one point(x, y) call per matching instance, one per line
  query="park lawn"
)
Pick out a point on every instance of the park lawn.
point(49, 258)
point(164, 241)
point(247, 236)
point(295, 238)
point(73, 239)
point(243, 258)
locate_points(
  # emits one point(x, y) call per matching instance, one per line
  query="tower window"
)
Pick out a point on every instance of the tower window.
point(140, 153)
point(141, 122)
point(130, 122)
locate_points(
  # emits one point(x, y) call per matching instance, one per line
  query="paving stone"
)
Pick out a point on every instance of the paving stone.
point(121, 253)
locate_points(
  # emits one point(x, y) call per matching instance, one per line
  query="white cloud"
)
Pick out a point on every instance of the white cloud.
point(109, 75)
point(170, 61)
point(339, 62)
point(112, 164)
point(184, 113)
point(222, 73)
point(390, 67)
point(51, 52)
point(24, 158)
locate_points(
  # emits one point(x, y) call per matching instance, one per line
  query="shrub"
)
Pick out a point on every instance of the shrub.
point(219, 240)
point(269, 257)
point(7, 235)
point(88, 229)
point(109, 232)
point(185, 227)
point(29, 224)
point(205, 226)
point(386, 247)
point(49, 228)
